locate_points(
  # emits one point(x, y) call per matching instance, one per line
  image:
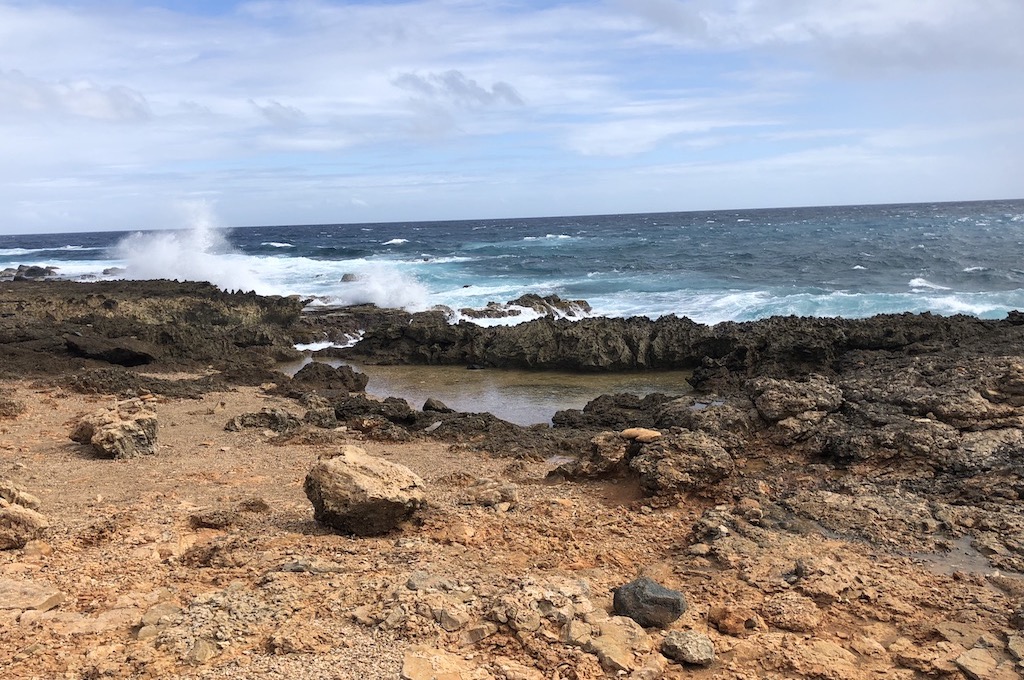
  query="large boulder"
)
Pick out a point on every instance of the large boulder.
point(331, 380)
point(357, 493)
point(125, 431)
point(684, 461)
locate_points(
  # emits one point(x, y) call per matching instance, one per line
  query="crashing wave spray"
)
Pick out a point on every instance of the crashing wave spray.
point(199, 253)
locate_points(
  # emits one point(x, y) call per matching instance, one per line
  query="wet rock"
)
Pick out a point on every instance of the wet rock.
point(274, 419)
point(687, 461)
point(689, 647)
point(125, 431)
point(613, 412)
point(357, 493)
point(791, 611)
point(649, 603)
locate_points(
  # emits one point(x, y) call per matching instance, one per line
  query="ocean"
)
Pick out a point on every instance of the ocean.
point(850, 261)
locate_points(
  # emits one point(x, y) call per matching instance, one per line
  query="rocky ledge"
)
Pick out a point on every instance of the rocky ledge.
point(835, 499)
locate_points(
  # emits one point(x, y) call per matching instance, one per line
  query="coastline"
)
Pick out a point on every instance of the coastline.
point(836, 498)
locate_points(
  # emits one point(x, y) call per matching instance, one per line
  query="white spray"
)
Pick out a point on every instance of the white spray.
point(199, 253)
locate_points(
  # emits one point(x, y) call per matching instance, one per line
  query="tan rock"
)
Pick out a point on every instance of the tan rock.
point(12, 493)
point(429, 663)
point(979, 664)
point(19, 525)
point(618, 641)
point(734, 619)
point(358, 493)
point(640, 434)
point(791, 611)
point(126, 431)
point(35, 595)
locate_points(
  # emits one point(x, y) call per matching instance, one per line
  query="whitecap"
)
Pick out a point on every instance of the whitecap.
point(395, 242)
point(925, 283)
point(276, 244)
point(975, 269)
point(857, 266)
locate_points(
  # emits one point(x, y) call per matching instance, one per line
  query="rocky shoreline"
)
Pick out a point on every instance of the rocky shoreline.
point(835, 499)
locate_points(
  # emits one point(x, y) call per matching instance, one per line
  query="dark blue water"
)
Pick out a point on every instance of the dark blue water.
point(838, 261)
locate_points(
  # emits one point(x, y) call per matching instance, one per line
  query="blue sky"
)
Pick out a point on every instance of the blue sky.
point(115, 114)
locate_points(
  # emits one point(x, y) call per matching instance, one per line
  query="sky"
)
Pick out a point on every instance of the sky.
point(115, 114)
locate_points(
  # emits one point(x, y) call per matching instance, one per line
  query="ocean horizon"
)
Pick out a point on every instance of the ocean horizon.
point(710, 266)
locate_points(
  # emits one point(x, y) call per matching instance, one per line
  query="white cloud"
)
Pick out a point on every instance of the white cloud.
point(310, 110)
point(21, 95)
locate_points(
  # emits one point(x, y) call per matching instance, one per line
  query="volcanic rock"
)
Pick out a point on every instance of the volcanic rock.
point(649, 603)
point(357, 493)
point(329, 380)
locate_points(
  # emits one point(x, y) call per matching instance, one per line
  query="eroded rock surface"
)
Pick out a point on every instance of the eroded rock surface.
point(360, 494)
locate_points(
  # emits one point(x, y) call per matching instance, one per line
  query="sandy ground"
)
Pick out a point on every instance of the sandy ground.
point(262, 591)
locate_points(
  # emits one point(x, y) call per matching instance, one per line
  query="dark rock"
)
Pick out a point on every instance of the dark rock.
point(328, 379)
point(120, 351)
point(648, 603)
point(436, 406)
point(392, 409)
point(321, 417)
point(274, 419)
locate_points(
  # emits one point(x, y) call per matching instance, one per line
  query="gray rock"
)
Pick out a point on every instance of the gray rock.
point(360, 494)
point(649, 603)
point(779, 399)
point(321, 417)
point(687, 646)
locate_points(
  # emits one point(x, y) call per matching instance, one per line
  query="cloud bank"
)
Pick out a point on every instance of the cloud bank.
point(320, 111)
